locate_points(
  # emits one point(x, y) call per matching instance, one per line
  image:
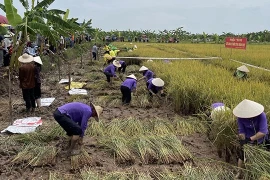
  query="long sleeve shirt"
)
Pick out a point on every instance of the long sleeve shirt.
point(110, 69)
point(148, 74)
point(251, 126)
point(78, 112)
point(130, 83)
point(27, 76)
point(152, 87)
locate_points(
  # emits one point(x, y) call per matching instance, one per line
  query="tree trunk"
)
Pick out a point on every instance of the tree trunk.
point(9, 95)
point(69, 75)
point(59, 68)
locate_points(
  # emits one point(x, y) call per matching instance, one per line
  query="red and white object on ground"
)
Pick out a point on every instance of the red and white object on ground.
point(23, 126)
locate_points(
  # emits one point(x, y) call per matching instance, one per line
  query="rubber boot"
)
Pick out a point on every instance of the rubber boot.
point(72, 151)
point(38, 101)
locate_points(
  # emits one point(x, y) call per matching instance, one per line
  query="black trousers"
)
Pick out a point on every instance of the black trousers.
point(29, 98)
point(37, 90)
point(122, 68)
point(67, 124)
point(108, 75)
point(94, 55)
point(126, 94)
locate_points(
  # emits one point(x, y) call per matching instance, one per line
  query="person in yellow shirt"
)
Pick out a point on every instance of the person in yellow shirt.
point(107, 58)
point(112, 54)
point(106, 48)
point(116, 52)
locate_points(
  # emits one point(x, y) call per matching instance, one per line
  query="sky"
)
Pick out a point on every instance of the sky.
point(195, 16)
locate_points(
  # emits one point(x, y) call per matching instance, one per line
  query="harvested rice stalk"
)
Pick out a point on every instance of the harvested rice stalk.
point(143, 148)
point(207, 172)
point(96, 129)
point(89, 175)
point(258, 162)
point(161, 127)
point(118, 145)
point(115, 128)
point(35, 156)
point(80, 160)
point(132, 127)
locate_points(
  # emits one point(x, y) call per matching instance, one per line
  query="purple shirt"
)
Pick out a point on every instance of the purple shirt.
point(218, 104)
point(110, 69)
point(78, 112)
point(152, 87)
point(122, 62)
point(130, 83)
point(148, 74)
point(251, 126)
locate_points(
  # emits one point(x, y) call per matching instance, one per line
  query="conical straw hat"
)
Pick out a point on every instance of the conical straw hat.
point(248, 109)
point(132, 76)
point(38, 60)
point(116, 63)
point(243, 68)
point(158, 82)
point(143, 68)
point(98, 110)
point(26, 58)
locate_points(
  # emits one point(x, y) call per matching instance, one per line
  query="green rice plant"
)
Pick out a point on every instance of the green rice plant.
point(81, 160)
point(119, 147)
point(96, 128)
point(257, 162)
point(223, 131)
point(189, 126)
point(133, 69)
point(34, 156)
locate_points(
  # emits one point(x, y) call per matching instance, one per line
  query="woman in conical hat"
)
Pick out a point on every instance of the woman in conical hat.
point(241, 72)
point(127, 87)
point(252, 126)
point(147, 74)
point(154, 86)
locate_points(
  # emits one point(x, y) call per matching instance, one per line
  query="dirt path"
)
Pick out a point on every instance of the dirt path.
point(102, 161)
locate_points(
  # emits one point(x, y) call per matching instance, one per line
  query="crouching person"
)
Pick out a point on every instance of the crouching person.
point(109, 71)
point(154, 86)
point(73, 118)
point(252, 128)
point(128, 86)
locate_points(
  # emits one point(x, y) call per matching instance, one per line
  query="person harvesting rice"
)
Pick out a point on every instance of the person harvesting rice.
point(252, 127)
point(147, 74)
point(73, 118)
point(241, 72)
point(128, 86)
point(155, 85)
point(109, 71)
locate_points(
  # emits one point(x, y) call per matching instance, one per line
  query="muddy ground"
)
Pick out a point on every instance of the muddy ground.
point(198, 144)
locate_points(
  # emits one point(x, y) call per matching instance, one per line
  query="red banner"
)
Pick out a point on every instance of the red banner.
point(236, 42)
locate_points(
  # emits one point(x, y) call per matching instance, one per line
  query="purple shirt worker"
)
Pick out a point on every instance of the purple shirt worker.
point(128, 86)
point(252, 127)
point(109, 71)
point(73, 118)
point(147, 74)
